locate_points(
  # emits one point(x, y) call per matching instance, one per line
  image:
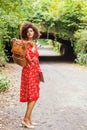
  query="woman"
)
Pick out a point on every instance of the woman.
point(29, 89)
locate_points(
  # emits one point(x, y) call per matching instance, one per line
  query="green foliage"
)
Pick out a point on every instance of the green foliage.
point(70, 19)
point(56, 47)
point(44, 42)
point(80, 46)
point(81, 59)
point(3, 57)
point(61, 17)
point(4, 83)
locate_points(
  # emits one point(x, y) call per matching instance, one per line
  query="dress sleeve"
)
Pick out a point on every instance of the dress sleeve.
point(36, 59)
point(28, 55)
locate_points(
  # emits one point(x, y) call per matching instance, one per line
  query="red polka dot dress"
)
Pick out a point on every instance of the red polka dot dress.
point(29, 89)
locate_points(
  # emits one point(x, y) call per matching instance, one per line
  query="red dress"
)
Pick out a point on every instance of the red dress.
point(29, 89)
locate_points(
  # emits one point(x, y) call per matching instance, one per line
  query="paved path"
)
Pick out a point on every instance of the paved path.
point(47, 51)
point(63, 98)
point(47, 54)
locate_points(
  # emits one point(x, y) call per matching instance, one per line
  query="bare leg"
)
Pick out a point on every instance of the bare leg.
point(30, 106)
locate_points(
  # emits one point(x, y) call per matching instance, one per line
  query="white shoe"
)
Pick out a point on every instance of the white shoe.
point(34, 123)
point(27, 125)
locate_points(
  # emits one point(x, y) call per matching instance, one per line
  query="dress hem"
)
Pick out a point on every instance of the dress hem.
point(22, 101)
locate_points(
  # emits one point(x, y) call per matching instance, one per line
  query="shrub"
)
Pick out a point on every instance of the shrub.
point(80, 46)
point(81, 59)
point(4, 83)
point(3, 57)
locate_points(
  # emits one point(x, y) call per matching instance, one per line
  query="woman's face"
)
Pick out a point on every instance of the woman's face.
point(30, 33)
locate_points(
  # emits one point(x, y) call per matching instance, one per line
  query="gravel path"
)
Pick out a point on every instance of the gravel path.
point(63, 98)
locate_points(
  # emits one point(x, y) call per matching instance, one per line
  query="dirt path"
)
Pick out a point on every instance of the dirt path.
point(63, 99)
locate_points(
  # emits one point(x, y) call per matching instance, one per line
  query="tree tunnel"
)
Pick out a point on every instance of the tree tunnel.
point(65, 49)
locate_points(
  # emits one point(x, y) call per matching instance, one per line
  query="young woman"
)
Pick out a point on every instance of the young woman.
point(29, 89)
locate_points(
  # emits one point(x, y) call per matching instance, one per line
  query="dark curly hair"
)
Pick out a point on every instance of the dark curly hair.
point(24, 28)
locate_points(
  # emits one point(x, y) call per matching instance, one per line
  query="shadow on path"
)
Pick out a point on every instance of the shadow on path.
point(47, 54)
